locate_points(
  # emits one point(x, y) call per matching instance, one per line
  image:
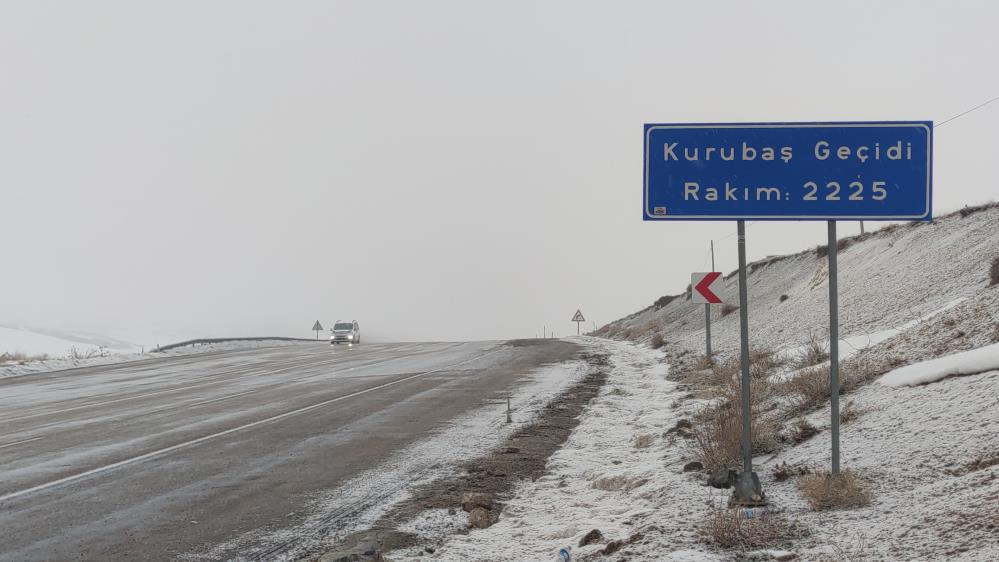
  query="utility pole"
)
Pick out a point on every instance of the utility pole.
point(707, 311)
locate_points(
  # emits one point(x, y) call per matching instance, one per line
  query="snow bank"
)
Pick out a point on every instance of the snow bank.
point(885, 288)
point(933, 495)
point(965, 363)
point(615, 473)
point(109, 357)
point(14, 340)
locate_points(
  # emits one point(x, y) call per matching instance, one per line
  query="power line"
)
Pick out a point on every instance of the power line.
point(948, 120)
point(963, 113)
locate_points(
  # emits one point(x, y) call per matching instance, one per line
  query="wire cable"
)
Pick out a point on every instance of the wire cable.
point(945, 121)
point(963, 113)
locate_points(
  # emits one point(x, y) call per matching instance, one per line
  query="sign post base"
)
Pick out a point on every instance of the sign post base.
point(747, 491)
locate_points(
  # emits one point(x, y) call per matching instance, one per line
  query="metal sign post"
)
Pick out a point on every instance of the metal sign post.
point(577, 318)
point(707, 331)
point(833, 250)
point(704, 288)
point(317, 327)
point(747, 487)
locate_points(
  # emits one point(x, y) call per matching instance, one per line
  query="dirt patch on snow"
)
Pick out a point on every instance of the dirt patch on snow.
point(481, 485)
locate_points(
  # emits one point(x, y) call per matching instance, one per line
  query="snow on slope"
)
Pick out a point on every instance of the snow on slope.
point(91, 356)
point(921, 448)
point(965, 363)
point(909, 295)
point(30, 341)
point(890, 278)
point(598, 480)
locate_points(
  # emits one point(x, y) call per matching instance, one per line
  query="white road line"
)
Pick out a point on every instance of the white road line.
point(186, 444)
point(19, 442)
point(219, 399)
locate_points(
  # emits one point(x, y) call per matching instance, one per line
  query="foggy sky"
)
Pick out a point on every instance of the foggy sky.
point(435, 170)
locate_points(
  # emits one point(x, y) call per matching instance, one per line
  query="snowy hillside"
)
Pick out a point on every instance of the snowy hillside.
point(888, 280)
point(645, 475)
point(21, 340)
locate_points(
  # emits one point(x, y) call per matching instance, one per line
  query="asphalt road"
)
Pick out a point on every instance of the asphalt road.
point(160, 458)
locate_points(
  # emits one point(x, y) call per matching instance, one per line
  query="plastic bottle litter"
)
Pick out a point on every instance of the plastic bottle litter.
point(565, 554)
point(751, 512)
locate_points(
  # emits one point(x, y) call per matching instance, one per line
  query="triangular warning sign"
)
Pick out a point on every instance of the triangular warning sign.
point(317, 327)
point(578, 317)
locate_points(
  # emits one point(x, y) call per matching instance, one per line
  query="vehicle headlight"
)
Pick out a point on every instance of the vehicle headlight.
point(350, 336)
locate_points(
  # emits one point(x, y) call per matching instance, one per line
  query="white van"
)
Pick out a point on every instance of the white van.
point(345, 332)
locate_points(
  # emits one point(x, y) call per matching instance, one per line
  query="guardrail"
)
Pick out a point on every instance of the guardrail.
point(202, 341)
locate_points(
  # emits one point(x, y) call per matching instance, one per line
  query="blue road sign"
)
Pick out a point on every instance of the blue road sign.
point(789, 171)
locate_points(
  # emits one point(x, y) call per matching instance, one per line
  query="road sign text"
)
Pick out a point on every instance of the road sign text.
point(803, 171)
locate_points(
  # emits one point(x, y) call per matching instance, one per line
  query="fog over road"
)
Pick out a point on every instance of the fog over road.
point(163, 457)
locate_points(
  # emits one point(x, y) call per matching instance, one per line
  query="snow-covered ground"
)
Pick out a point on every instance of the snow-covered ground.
point(921, 448)
point(600, 479)
point(971, 362)
point(53, 343)
point(916, 302)
point(85, 356)
point(887, 282)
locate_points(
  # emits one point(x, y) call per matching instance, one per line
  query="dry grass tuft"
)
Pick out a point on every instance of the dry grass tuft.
point(704, 362)
point(802, 430)
point(982, 461)
point(717, 436)
point(724, 381)
point(79, 354)
point(968, 211)
point(643, 441)
point(763, 362)
point(809, 389)
point(730, 529)
point(814, 351)
point(849, 412)
point(784, 471)
point(828, 491)
point(657, 341)
point(664, 300)
point(856, 550)
point(727, 309)
point(856, 372)
point(21, 358)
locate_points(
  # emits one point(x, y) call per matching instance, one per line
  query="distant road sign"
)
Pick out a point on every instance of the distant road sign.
point(704, 287)
point(578, 317)
point(789, 171)
point(317, 326)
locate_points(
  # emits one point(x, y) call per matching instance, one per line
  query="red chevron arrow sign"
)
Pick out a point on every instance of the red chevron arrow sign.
point(705, 287)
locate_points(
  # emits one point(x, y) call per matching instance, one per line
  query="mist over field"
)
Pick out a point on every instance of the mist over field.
point(437, 171)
